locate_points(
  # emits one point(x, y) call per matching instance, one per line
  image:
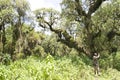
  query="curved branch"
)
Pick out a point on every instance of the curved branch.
point(69, 41)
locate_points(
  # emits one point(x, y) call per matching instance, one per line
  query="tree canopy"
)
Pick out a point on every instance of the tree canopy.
point(82, 27)
point(96, 25)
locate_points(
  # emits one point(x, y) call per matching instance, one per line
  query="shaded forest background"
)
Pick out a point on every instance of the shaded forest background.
point(81, 28)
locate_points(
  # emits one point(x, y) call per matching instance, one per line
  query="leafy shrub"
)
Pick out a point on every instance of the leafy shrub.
point(39, 51)
point(5, 59)
point(50, 68)
point(116, 63)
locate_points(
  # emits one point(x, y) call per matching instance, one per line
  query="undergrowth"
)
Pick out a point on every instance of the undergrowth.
point(50, 68)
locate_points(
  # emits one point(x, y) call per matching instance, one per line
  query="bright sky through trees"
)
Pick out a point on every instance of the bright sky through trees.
point(36, 4)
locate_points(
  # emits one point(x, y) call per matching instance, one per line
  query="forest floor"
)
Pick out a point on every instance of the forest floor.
point(54, 68)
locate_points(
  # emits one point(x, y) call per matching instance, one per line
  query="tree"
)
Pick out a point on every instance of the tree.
point(53, 47)
point(107, 19)
point(5, 18)
point(83, 13)
point(21, 7)
point(16, 34)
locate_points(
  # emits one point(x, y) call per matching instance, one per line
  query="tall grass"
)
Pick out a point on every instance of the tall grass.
point(50, 68)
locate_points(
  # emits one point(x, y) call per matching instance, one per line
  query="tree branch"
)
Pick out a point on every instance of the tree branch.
point(69, 41)
point(79, 8)
point(95, 6)
point(64, 36)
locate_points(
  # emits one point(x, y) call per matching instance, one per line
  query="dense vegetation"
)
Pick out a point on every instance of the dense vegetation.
point(51, 45)
point(51, 68)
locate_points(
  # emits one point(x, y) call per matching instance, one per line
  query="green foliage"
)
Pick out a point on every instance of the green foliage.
point(106, 19)
point(22, 40)
point(47, 17)
point(5, 59)
point(53, 47)
point(50, 68)
point(116, 63)
point(39, 51)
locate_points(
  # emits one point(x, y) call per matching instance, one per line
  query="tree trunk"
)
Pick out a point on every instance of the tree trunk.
point(15, 37)
point(3, 39)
